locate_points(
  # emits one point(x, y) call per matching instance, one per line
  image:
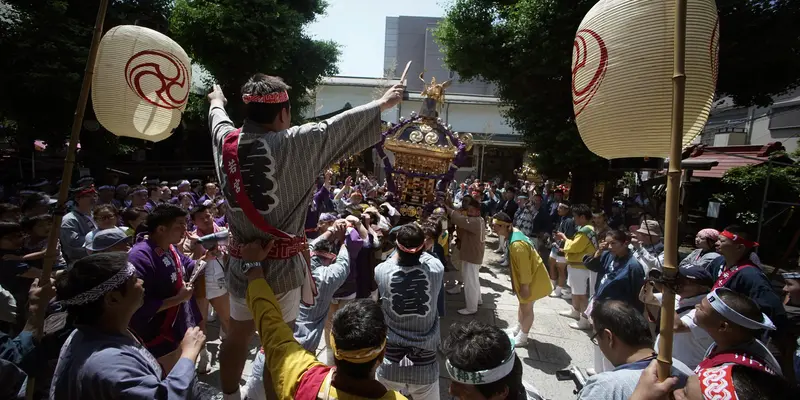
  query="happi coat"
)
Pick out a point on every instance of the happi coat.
point(527, 268)
point(408, 298)
point(279, 170)
point(161, 270)
point(94, 365)
point(310, 322)
point(296, 373)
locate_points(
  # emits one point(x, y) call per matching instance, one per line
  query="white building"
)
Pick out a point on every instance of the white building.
point(729, 125)
point(498, 149)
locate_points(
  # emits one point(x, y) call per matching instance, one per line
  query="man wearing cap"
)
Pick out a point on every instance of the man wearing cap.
point(648, 246)
point(76, 224)
point(735, 323)
point(109, 240)
point(690, 341)
point(268, 192)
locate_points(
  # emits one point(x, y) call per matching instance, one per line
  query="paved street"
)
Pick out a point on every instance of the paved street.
point(553, 345)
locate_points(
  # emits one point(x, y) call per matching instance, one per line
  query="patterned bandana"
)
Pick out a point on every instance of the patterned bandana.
point(359, 356)
point(485, 376)
point(98, 291)
point(272, 98)
point(717, 383)
point(410, 250)
point(791, 275)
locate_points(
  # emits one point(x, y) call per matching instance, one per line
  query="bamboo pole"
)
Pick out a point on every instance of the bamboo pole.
point(673, 192)
point(66, 176)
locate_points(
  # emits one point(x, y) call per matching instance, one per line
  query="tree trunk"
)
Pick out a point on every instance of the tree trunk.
point(582, 187)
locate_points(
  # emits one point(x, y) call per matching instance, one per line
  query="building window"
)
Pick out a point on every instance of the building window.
point(785, 117)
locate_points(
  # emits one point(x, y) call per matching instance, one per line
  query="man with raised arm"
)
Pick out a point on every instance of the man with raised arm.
point(267, 169)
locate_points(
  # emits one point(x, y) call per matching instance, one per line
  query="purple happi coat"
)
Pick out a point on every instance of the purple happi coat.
point(160, 270)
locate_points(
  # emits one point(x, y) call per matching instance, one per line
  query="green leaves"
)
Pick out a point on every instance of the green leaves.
point(525, 48)
point(234, 39)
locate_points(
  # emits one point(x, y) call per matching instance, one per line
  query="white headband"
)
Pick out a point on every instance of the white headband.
point(98, 291)
point(486, 376)
point(791, 275)
point(732, 315)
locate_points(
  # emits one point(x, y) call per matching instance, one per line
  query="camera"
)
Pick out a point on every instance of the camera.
point(573, 374)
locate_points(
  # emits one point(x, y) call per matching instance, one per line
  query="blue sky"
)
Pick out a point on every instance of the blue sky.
point(358, 26)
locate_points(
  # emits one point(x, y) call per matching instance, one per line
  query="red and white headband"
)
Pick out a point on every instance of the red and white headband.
point(272, 98)
point(739, 240)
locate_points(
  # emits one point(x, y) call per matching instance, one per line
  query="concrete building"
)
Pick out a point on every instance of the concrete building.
point(498, 149)
point(730, 125)
point(411, 39)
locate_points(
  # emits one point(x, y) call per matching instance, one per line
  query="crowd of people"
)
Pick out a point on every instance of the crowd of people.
point(303, 258)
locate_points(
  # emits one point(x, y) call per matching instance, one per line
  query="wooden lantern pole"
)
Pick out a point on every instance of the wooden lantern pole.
point(673, 192)
point(66, 176)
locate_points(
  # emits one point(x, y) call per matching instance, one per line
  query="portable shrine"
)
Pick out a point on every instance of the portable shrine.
point(427, 154)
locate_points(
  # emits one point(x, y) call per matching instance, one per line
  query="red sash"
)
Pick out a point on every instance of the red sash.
point(725, 276)
point(166, 332)
point(286, 245)
point(732, 357)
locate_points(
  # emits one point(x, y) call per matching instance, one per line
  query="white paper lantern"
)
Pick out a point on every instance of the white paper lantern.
point(141, 83)
point(622, 68)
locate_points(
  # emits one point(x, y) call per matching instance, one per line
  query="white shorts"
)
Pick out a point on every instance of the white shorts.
point(215, 280)
point(335, 300)
point(559, 259)
point(578, 280)
point(289, 302)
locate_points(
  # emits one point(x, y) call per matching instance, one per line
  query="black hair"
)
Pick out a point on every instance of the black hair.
point(745, 234)
point(436, 222)
point(163, 215)
point(358, 325)
point(429, 229)
point(618, 235)
point(8, 208)
point(262, 85)
point(582, 210)
point(476, 346)
point(152, 188)
point(410, 236)
point(323, 245)
point(625, 322)
point(501, 216)
point(197, 210)
point(87, 273)
point(9, 228)
point(741, 304)
point(511, 189)
point(753, 384)
point(136, 189)
point(35, 200)
point(29, 222)
point(105, 207)
point(131, 213)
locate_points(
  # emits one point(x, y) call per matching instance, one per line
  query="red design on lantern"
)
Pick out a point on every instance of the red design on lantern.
point(582, 97)
point(147, 67)
point(713, 49)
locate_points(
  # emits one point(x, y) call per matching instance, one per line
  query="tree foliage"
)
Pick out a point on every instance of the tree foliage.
point(234, 39)
point(744, 189)
point(525, 48)
point(45, 45)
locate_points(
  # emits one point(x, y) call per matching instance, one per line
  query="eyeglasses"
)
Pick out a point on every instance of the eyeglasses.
point(593, 339)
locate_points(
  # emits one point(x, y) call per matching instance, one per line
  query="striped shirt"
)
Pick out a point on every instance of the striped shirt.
point(408, 299)
point(279, 170)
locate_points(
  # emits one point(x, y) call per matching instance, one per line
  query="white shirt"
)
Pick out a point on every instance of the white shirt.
point(689, 347)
